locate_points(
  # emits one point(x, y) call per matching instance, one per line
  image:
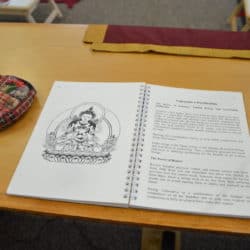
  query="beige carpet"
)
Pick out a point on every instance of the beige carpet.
point(202, 14)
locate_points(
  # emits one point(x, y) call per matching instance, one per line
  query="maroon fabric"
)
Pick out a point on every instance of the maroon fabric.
point(70, 3)
point(178, 37)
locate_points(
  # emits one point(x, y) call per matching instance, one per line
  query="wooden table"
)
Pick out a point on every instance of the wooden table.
point(43, 53)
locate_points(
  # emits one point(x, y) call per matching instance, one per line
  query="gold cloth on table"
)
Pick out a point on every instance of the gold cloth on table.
point(190, 42)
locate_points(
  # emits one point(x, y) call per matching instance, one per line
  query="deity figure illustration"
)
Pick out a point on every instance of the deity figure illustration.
point(85, 134)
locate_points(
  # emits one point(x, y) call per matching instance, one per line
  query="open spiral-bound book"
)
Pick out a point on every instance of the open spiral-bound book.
point(139, 145)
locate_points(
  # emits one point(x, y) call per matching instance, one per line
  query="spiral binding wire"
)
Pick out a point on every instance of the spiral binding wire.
point(132, 179)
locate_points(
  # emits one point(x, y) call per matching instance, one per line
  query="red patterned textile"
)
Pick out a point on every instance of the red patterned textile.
point(16, 96)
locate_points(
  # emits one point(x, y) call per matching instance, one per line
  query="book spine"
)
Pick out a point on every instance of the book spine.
point(138, 144)
point(135, 141)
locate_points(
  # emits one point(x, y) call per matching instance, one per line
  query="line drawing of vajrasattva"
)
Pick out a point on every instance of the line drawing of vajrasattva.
point(85, 134)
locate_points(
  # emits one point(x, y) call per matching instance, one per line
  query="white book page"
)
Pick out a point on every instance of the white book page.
point(196, 153)
point(76, 121)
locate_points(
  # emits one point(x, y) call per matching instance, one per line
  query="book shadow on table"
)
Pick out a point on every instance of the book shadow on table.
point(21, 231)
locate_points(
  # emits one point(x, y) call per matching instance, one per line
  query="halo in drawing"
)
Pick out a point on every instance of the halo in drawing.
point(86, 134)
